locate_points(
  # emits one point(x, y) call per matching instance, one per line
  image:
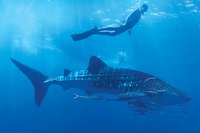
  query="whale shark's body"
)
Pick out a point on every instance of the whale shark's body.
point(137, 88)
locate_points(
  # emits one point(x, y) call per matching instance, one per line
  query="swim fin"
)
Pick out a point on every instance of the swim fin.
point(84, 35)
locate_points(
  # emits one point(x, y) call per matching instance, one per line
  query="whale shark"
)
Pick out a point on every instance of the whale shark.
point(138, 89)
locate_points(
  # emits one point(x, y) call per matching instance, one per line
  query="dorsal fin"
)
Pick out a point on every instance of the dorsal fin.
point(95, 65)
point(66, 72)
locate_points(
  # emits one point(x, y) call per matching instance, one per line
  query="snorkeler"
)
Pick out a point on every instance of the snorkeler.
point(128, 24)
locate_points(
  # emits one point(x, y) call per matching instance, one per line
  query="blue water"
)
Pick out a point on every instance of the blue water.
point(165, 43)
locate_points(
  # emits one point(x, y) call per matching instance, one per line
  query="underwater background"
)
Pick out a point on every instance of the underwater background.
point(165, 43)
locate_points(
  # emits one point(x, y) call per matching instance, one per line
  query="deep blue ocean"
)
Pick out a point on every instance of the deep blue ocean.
point(164, 43)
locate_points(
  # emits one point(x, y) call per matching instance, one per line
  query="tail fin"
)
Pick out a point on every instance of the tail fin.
point(36, 78)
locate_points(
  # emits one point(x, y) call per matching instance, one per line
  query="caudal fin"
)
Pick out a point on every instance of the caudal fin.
point(36, 78)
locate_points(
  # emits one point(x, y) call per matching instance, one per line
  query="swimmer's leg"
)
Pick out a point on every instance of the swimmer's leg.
point(109, 31)
point(76, 96)
point(107, 28)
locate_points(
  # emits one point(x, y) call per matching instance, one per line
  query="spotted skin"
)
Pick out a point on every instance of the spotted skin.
point(126, 84)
